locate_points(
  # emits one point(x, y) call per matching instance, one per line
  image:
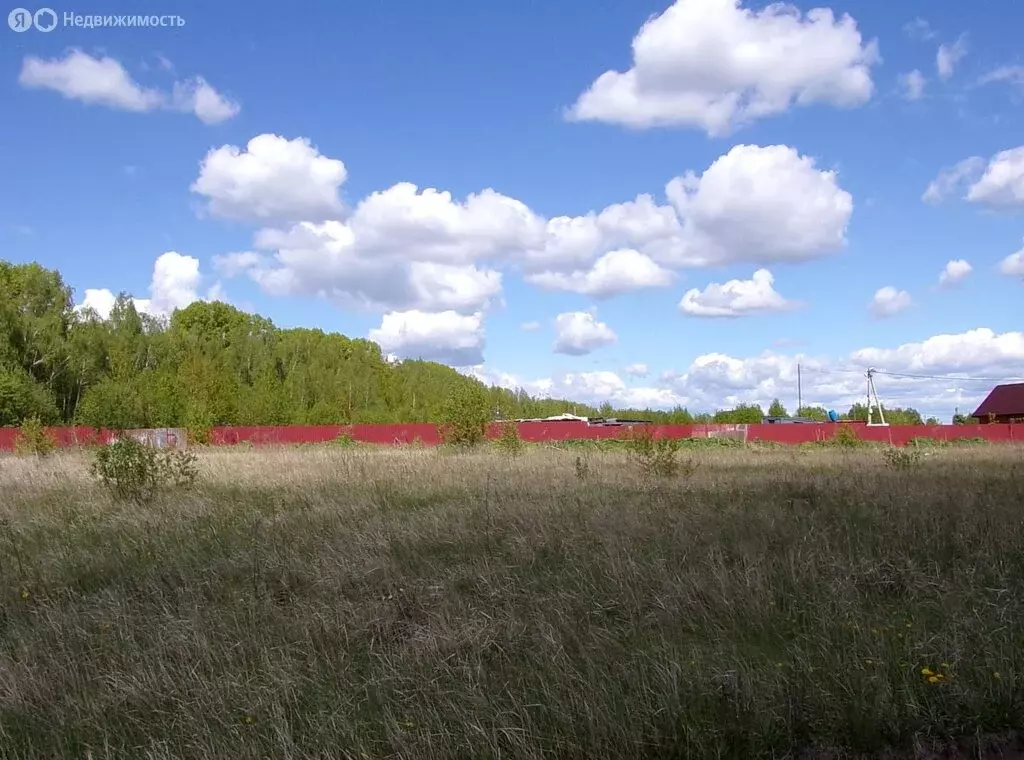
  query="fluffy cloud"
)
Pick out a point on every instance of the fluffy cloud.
point(889, 301)
point(759, 205)
point(735, 298)
point(406, 248)
point(954, 272)
point(409, 249)
point(636, 370)
point(1013, 265)
point(197, 96)
point(446, 336)
point(587, 387)
point(614, 273)
point(951, 180)
point(174, 285)
point(1002, 183)
point(714, 65)
point(998, 184)
point(104, 81)
point(578, 333)
point(946, 372)
point(912, 84)
point(234, 264)
point(1011, 75)
point(919, 29)
point(271, 179)
point(325, 260)
point(978, 352)
point(948, 56)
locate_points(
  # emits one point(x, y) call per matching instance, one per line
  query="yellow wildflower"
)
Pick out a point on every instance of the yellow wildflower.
point(25, 595)
point(934, 679)
point(927, 672)
point(996, 675)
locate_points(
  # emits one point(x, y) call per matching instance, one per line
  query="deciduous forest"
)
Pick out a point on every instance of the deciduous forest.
point(212, 364)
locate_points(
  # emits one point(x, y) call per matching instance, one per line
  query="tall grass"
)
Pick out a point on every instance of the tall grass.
point(340, 602)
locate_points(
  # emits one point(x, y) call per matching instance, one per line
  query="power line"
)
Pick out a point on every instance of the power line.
point(861, 372)
point(951, 377)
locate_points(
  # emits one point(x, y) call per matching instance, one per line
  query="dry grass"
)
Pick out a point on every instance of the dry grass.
point(335, 603)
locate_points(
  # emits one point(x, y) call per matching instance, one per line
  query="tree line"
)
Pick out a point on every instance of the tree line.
point(212, 364)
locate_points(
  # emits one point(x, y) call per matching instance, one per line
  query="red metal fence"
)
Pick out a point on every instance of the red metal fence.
point(538, 432)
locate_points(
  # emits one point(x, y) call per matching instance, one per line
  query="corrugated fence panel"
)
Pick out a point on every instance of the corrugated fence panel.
point(540, 432)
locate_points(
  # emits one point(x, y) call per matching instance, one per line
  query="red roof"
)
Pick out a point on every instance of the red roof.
point(1003, 400)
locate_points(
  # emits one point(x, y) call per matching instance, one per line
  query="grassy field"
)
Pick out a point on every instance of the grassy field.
point(346, 603)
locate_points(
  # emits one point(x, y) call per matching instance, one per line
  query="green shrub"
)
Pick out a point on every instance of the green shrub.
point(133, 471)
point(901, 459)
point(465, 416)
point(199, 434)
point(33, 439)
point(846, 437)
point(656, 456)
point(509, 441)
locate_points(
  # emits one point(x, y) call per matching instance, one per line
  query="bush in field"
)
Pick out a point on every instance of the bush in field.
point(509, 441)
point(655, 456)
point(133, 471)
point(33, 439)
point(465, 416)
point(901, 459)
point(846, 437)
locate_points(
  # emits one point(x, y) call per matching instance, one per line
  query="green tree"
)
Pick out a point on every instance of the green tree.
point(776, 409)
point(816, 413)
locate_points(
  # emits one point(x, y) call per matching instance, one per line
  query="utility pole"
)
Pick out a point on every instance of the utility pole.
point(873, 393)
point(799, 392)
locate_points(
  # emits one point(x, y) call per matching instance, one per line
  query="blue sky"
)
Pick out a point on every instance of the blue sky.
point(805, 143)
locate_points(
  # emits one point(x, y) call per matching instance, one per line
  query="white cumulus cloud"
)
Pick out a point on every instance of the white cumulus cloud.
point(198, 96)
point(1011, 75)
point(614, 273)
point(759, 205)
point(889, 301)
point(1001, 186)
point(273, 178)
point(174, 285)
point(405, 248)
point(1013, 265)
point(715, 65)
point(949, 56)
point(954, 272)
point(735, 298)
point(578, 333)
point(919, 29)
point(912, 84)
point(103, 81)
point(953, 179)
point(447, 336)
point(943, 368)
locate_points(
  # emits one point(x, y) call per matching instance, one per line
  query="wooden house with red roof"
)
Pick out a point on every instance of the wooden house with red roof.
point(1005, 403)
